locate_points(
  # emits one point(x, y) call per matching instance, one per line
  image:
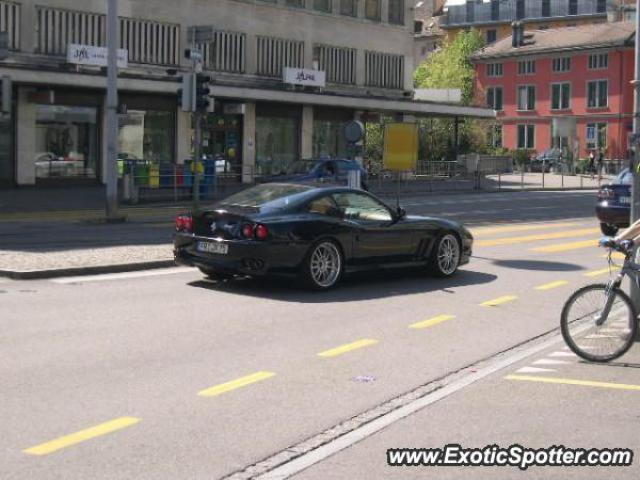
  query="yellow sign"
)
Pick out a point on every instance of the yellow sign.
point(400, 146)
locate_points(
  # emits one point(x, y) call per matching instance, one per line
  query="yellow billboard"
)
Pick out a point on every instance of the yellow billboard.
point(400, 146)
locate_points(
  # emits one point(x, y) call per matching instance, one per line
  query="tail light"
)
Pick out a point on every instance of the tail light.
point(184, 223)
point(606, 194)
point(247, 230)
point(261, 232)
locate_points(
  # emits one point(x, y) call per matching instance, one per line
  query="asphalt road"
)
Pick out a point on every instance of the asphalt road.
point(166, 375)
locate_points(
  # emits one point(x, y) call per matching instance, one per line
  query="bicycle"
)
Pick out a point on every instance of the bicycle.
point(599, 322)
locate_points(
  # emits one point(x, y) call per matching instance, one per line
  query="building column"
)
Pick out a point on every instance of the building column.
point(25, 138)
point(249, 142)
point(183, 136)
point(384, 11)
point(306, 132)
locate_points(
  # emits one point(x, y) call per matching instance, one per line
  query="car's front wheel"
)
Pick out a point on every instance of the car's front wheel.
point(215, 275)
point(323, 266)
point(445, 258)
point(608, 230)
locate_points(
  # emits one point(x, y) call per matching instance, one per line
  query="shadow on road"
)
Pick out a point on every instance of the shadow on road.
point(354, 288)
point(538, 265)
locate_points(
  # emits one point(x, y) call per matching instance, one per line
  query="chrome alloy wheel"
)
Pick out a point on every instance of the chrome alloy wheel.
point(448, 254)
point(326, 264)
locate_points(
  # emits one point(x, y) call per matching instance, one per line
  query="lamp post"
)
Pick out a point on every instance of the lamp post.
point(112, 111)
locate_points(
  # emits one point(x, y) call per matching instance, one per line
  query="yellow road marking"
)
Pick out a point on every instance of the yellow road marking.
point(552, 285)
point(520, 228)
point(566, 247)
point(432, 321)
point(235, 384)
point(571, 381)
point(616, 255)
point(537, 237)
point(334, 352)
point(82, 435)
point(604, 271)
point(499, 301)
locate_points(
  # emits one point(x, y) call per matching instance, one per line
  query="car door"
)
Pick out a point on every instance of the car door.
point(377, 235)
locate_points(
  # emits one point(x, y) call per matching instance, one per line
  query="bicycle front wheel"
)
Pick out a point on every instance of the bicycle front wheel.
point(583, 335)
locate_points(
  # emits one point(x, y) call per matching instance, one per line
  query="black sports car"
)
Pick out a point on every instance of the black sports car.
point(317, 233)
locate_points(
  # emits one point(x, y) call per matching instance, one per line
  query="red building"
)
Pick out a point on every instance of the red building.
point(567, 87)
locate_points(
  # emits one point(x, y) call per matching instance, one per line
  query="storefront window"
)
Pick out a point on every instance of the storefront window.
point(146, 135)
point(276, 144)
point(222, 141)
point(328, 139)
point(66, 141)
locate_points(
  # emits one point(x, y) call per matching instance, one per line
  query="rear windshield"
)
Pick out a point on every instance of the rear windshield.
point(625, 177)
point(270, 196)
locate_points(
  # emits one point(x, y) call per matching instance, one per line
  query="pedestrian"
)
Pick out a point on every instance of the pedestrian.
point(600, 164)
point(591, 168)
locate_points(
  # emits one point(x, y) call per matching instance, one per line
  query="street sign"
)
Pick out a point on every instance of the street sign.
point(400, 146)
point(94, 56)
point(304, 77)
point(4, 45)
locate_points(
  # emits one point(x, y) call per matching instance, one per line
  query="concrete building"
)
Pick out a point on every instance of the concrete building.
point(262, 121)
point(494, 17)
point(566, 88)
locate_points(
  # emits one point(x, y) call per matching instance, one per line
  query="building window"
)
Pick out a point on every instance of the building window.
point(526, 136)
point(520, 10)
point(384, 70)
point(562, 64)
point(295, 3)
point(338, 63)
point(526, 97)
point(573, 7)
point(322, 5)
point(492, 35)
point(10, 23)
point(494, 136)
point(494, 98)
point(598, 94)
point(495, 10)
point(274, 54)
point(143, 135)
point(526, 67)
point(546, 8)
point(601, 6)
point(349, 8)
point(372, 10)
point(494, 69)
point(226, 52)
point(396, 12)
point(471, 10)
point(560, 96)
point(596, 136)
point(277, 139)
point(598, 61)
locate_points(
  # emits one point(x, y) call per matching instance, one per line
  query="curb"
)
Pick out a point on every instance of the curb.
point(80, 271)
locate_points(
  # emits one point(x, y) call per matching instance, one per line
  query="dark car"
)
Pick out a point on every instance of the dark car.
point(546, 160)
point(324, 170)
point(316, 233)
point(614, 204)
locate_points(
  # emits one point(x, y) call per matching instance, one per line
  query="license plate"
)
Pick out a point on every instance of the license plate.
point(213, 247)
point(626, 200)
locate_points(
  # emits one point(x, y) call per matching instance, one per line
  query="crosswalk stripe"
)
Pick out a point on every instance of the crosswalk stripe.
point(477, 232)
point(572, 381)
point(567, 247)
point(537, 237)
point(534, 370)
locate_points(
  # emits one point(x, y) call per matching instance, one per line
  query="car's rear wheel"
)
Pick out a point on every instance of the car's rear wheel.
point(215, 275)
point(323, 265)
point(445, 258)
point(608, 230)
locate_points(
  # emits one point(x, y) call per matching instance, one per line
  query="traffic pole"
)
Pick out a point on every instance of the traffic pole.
point(635, 187)
point(112, 112)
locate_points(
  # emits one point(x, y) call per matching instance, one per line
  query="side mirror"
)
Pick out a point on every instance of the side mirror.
point(401, 212)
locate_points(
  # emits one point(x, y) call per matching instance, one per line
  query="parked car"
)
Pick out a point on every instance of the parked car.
point(546, 160)
point(317, 233)
point(48, 164)
point(614, 204)
point(324, 170)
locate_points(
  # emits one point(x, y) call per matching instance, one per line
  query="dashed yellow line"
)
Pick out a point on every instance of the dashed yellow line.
point(499, 301)
point(536, 238)
point(552, 285)
point(334, 352)
point(431, 322)
point(82, 436)
point(477, 232)
point(567, 247)
point(235, 384)
point(571, 381)
point(604, 271)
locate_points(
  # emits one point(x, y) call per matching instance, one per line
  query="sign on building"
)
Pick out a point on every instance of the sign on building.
point(94, 56)
point(400, 146)
point(304, 76)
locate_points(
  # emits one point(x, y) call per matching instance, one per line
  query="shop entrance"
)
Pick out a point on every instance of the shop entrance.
point(222, 141)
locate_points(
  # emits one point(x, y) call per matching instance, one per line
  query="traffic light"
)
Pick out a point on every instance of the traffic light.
point(203, 100)
point(186, 92)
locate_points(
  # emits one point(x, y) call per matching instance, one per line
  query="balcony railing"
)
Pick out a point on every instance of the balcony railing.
point(507, 11)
